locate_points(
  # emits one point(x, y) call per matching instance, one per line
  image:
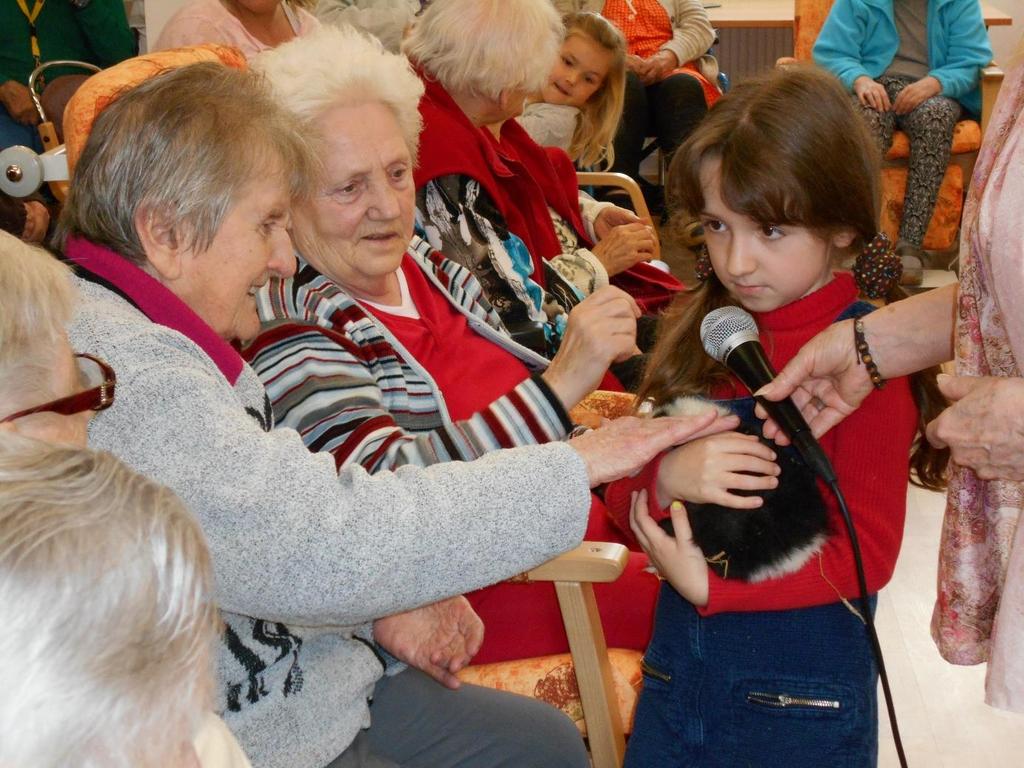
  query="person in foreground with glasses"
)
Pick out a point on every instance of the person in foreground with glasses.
point(105, 579)
point(46, 391)
point(178, 212)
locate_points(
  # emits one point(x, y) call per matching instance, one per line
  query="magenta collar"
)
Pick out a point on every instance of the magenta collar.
point(154, 300)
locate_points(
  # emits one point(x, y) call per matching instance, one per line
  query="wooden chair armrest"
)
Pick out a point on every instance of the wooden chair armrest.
point(572, 574)
point(622, 181)
point(591, 561)
point(991, 80)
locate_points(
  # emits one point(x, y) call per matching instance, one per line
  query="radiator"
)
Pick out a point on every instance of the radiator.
point(744, 51)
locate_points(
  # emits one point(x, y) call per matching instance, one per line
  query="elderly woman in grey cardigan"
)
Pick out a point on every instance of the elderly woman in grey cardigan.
point(178, 212)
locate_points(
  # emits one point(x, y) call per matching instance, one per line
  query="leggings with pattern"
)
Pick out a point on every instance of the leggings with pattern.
point(930, 130)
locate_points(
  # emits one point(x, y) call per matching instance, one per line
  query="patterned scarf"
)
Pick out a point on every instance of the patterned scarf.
point(979, 614)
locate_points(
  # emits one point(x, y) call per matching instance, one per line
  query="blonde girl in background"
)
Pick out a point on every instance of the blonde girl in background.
point(578, 109)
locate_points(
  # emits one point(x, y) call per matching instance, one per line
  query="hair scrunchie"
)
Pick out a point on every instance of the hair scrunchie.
point(877, 268)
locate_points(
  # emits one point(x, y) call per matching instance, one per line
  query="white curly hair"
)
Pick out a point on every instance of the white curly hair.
point(339, 66)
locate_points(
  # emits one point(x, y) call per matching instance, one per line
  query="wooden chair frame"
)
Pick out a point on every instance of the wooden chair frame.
point(622, 181)
point(574, 575)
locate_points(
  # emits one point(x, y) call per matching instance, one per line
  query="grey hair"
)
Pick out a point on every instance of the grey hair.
point(339, 66)
point(36, 302)
point(107, 608)
point(183, 146)
point(485, 47)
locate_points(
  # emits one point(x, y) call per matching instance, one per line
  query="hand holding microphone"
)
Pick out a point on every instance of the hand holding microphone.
point(730, 336)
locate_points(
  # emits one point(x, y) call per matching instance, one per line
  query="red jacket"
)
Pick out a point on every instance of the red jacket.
point(524, 180)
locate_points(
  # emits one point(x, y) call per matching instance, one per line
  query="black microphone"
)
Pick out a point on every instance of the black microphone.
point(729, 335)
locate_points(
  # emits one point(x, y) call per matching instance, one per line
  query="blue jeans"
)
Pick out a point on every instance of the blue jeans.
point(715, 690)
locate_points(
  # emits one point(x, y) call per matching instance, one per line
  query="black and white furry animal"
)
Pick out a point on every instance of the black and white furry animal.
point(770, 541)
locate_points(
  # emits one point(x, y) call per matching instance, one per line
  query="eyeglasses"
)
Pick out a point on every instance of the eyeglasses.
point(99, 379)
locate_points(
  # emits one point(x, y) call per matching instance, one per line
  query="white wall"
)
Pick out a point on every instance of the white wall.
point(1004, 39)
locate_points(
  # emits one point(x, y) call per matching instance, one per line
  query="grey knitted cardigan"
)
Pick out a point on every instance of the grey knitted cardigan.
point(305, 558)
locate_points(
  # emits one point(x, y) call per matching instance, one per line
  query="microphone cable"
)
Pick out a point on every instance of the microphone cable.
point(869, 620)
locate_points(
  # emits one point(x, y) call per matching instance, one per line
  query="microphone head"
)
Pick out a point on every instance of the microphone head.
point(724, 329)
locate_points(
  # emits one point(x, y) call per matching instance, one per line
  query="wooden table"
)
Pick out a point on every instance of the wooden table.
point(779, 13)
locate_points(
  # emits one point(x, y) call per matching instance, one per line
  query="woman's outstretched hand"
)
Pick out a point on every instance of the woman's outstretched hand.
point(625, 446)
point(825, 380)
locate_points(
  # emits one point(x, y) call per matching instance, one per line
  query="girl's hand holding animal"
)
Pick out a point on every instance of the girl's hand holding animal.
point(677, 558)
point(871, 94)
point(708, 470)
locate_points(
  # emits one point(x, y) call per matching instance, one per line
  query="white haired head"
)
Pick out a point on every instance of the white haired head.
point(107, 613)
point(341, 67)
point(36, 301)
point(484, 47)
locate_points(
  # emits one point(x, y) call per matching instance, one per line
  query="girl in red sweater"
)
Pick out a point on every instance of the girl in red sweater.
point(771, 667)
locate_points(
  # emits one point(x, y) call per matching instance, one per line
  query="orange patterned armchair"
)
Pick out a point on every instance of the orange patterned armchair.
point(944, 228)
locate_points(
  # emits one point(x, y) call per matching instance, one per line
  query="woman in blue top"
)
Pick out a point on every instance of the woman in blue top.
point(912, 65)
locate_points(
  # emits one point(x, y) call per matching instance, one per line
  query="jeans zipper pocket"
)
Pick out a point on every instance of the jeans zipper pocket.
point(657, 674)
point(783, 701)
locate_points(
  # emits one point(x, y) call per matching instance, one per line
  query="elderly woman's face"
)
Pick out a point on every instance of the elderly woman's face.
point(366, 212)
point(252, 244)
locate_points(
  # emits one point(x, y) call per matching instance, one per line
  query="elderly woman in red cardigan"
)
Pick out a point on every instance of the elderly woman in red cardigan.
point(492, 199)
point(382, 352)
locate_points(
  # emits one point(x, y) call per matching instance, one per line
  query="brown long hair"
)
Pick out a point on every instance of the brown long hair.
point(792, 150)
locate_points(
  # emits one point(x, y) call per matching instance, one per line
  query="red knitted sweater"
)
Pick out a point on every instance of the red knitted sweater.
point(870, 451)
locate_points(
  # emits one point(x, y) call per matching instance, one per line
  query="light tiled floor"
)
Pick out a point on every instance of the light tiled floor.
point(943, 719)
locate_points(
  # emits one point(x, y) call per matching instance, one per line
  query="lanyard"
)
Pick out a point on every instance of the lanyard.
point(32, 16)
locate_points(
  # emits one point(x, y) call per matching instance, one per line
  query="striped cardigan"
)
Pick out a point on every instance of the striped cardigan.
point(339, 377)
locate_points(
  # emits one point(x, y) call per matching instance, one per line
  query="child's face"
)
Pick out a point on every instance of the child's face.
point(579, 72)
point(763, 267)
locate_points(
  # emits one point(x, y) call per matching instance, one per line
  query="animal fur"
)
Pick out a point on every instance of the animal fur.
point(757, 544)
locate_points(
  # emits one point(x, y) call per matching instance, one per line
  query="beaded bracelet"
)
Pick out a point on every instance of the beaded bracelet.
point(864, 354)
